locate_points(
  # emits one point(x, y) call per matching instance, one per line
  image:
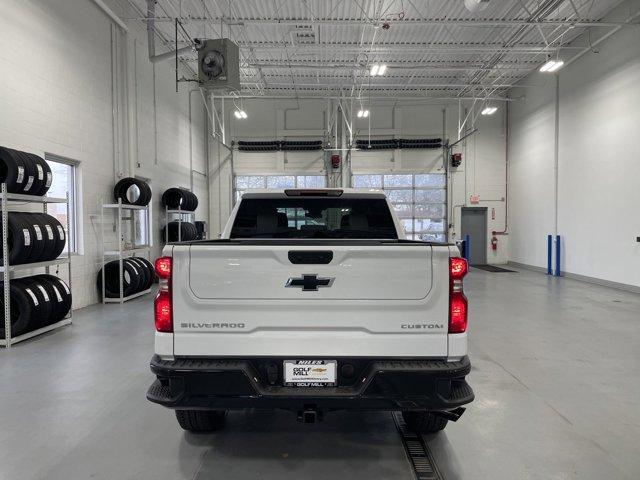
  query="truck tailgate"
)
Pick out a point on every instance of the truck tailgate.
point(247, 299)
point(358, 273)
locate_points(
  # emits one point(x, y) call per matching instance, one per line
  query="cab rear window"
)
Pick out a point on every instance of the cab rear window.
point(327, 217)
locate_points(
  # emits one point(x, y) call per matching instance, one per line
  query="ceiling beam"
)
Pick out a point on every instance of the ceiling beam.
point(395, 22)
point(392, 86)
point(394, 66)
point(404, 47)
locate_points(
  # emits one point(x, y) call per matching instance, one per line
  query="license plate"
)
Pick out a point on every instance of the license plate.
point(310, 373)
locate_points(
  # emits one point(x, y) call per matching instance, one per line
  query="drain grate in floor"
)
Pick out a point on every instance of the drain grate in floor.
point(493, 269)
point(418, 453)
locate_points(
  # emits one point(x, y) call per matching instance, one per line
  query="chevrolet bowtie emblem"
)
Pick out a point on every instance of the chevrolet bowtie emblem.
point(309, 283)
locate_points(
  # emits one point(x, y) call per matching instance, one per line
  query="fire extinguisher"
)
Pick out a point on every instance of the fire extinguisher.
point(335, 161)
point(494, 243)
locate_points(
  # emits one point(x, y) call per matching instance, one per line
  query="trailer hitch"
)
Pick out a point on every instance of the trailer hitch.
point(452, 415)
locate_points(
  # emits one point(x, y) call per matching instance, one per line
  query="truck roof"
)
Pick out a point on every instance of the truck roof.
point(312, 192)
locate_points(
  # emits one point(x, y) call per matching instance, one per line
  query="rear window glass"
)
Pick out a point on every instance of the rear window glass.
point(313, 218)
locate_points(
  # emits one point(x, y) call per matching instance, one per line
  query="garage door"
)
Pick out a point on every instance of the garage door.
point(419, 200)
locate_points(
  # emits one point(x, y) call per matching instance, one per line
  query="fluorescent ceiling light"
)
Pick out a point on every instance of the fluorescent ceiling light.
point(363, 113)
point(551, 66)
point(377, 69)
point(489, 110)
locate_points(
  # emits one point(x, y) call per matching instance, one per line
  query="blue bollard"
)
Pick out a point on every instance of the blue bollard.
point(549, 254)
point(558, 273)
point(467, 244)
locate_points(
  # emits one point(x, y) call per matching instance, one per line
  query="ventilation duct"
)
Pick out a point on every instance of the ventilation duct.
point(393, 143)
point(283, 145)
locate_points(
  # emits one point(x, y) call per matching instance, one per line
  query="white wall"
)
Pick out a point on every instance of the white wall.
point(482, 172)
point(56, 97)
point(598, 164)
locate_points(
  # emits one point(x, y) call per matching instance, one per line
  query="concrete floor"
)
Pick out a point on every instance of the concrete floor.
point(556, 371)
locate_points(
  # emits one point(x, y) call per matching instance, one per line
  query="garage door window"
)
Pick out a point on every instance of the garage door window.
point(244, 183)
point(418, 199)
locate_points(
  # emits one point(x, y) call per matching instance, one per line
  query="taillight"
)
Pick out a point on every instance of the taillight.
point(162, 311)
point(457, 301)
point(163, 267)
point(162, 307)
point(457, 268)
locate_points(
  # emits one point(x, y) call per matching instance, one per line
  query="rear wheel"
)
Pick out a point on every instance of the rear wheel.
point(424, 422)
point(201, 420)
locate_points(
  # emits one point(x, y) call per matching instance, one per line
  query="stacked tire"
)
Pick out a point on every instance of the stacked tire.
point(36, 302)
point(137, 276)
point(188, 231)
point(33, 237)
point(132, 191)
point(24, 172)
point(179, 198)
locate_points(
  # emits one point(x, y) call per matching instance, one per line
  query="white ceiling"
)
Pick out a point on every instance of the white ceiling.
point(433, 48)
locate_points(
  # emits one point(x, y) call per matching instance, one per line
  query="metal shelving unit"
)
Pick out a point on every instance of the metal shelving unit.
point(181, 215)
point(9, 271)
point(124, 251)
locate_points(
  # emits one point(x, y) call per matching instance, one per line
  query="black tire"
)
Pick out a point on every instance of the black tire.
point(201, 421)
point(172, 198)
point(37, 234)
point(21, 310)
point(19, 240)
point(150, 268)
point(50, 239)
point(57, 300)
point(12, 170)
point(61, 289)
point(170, 232)
point(179, 198)
point(188, 231)
point(24, 240)
point(41, 312)
point(122, 187)
point(131, 279)
point(60, 234)
point(31, 184)
point(137, 277)
point(424, 422)
point(192, 201)
point(43, 175)
point(145, 276)
point(145, 193)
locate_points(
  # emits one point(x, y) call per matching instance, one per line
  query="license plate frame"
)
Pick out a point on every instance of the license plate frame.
point(306, 376)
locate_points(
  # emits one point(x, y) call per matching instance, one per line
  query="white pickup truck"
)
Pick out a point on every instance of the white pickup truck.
point(311, 301)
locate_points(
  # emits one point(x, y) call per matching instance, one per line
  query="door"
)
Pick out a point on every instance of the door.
point(474, 224)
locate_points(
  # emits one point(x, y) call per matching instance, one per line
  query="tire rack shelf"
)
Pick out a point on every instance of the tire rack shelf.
point(8, 271)
point(182, 215)
point(122, 253)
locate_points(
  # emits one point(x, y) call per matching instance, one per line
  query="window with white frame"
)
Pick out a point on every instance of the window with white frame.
point(418, 199)
point(245, 183)
point(65, 180)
